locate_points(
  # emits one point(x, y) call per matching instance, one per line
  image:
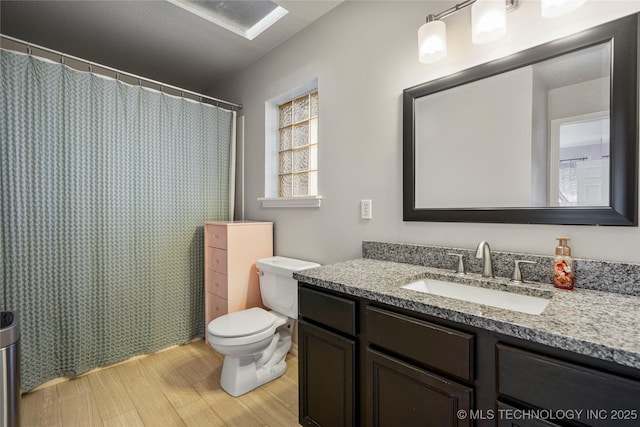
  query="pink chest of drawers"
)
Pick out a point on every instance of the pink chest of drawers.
point(230, 275)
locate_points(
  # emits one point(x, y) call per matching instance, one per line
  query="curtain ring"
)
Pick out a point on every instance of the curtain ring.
point(62, 59)
point(90, 67)
point(29, 51)
point(117, 76)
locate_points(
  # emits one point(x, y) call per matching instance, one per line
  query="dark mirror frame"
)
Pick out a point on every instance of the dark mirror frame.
point(623, 195)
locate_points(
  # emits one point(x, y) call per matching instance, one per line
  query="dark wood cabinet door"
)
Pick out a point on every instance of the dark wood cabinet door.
point(400, 394)
point(326, 374)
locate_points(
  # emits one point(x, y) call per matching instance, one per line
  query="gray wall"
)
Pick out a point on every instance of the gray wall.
point(364, 54)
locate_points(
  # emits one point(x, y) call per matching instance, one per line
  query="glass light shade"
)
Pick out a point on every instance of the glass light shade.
point(554, 8)
point(488, 20)
point(432, 42)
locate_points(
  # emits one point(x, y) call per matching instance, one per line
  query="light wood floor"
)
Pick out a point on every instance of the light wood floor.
point(175, 387)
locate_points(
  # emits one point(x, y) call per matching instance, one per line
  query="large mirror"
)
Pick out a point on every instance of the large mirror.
point(548, 136)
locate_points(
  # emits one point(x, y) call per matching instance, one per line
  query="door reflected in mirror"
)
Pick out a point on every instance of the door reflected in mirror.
point(582, 144)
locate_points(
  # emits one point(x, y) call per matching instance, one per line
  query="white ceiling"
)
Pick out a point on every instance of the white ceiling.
point(154, 39)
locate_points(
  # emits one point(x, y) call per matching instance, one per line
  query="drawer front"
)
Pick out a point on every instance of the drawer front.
point(214, 307)
point(216, 236)
point(220, 285)
point(219, 306)
point(208, 310)
point(440, 348)
point(217, 284)
point(332, 311)
point(219, 263)
point(553, 384)
point(509, 416)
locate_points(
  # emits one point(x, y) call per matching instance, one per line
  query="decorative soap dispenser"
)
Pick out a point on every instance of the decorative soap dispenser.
point(563, 265)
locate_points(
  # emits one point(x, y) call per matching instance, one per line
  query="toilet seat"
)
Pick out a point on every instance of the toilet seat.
point(242, 323)
point(244, 327)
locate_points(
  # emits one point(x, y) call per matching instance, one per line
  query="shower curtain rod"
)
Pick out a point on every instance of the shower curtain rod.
point(217, 102)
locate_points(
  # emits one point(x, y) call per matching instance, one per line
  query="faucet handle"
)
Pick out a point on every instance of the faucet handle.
point(517, 274)
point(460, 269)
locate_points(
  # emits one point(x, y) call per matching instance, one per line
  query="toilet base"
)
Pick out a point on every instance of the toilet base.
point(242, 374)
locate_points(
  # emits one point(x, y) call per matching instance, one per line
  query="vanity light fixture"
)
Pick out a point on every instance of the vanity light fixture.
point(488, 23)
point(488, 20)
point(432, 40)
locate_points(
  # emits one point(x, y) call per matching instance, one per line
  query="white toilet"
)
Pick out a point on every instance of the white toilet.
point(255, 342)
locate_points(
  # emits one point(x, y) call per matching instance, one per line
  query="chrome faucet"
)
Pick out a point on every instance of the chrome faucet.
point(484, 252)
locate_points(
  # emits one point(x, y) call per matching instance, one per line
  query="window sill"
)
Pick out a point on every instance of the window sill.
point(291, 202)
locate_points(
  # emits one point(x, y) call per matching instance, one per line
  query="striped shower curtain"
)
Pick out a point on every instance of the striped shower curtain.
point(105, 187)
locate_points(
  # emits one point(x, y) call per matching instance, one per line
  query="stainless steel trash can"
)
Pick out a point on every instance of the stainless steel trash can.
point(9, 369)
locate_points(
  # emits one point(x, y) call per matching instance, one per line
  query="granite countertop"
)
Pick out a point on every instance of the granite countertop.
point(599, 324)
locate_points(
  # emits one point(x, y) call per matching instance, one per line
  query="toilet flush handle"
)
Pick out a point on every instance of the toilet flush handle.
point(260, 273)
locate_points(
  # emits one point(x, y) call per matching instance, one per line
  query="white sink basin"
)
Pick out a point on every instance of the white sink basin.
point(494, 298)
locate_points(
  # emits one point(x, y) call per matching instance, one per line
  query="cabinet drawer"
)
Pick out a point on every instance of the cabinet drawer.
point(218, 306)
point(217, 283)
point(553, 384)
point(219, 260)
point(215, 306)
point(332, 311)
point(208, 312)
point(509, 416)
point(441, 348)
point(217, 236)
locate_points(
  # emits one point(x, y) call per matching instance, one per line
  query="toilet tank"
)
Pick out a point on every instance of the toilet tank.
point(278, 287)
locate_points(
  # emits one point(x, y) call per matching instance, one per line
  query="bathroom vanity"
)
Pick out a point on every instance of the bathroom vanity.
point(372, 353)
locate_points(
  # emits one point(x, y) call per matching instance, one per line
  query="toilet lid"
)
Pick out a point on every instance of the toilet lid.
point(241, 323)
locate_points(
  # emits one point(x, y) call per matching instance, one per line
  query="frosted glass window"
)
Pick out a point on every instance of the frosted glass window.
point(285, 162)
point(313, 182)
point(314, 104)
point(285, 139)
point(301, 160)
point(285, 186)
point(298, 147)
point(285, 114)
point(313, 131)
point(301, 184)
point(301, 109)
point(301, 134)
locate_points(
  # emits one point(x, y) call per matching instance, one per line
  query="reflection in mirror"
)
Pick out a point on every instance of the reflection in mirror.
point(548, 135)
point(580, 148)
point(536, 136)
